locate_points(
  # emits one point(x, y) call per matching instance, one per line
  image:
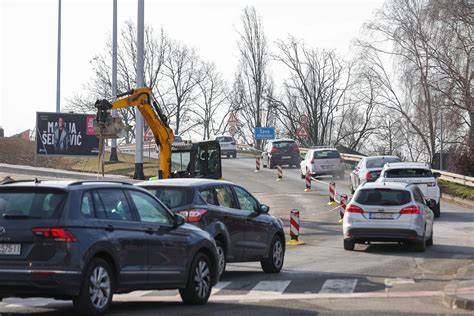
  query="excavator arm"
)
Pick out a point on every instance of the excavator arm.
point(154, 117)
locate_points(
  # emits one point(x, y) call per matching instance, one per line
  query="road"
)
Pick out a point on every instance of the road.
point(319, 277)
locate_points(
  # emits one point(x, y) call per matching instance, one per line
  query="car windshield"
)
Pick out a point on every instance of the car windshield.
point(178, 139)
point(31, 203)
point(171, 197)
point(224, 139)
point(379, 162)
point(408, 173)
point(326, 154)
point(382, 197)
point(284, 144)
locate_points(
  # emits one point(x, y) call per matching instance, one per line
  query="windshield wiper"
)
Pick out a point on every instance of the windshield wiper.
point(19, 216)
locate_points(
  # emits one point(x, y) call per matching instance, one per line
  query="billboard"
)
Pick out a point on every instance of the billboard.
point(66, 134)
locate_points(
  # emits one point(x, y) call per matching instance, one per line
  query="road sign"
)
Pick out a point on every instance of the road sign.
point(264, 132)
point(149, 134)
point(304, 120)
point(302, 131)
point(232, 120)
point(233, 130)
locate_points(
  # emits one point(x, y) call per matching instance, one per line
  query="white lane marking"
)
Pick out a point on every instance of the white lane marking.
point(339, 286)
point(219, 286)
point(392, 281)
point(14, 302)
point(134, 294)
point(269, 288)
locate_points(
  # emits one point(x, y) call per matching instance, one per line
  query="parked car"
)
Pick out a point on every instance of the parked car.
point(281, 152)
point(86, 241)
point(418, 173)
point(228, 146)
point(368, 169)
point(240, 224)
point(322, 161)
point(388, 212)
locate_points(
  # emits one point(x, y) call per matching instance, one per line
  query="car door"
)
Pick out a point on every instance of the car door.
point(258, 226)
point(125, 233)
point(167, 255)
point(228, 213)
point(427, 212)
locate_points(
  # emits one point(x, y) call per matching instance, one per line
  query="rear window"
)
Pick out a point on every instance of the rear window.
point(408, 173)
point(382, 197)
point(172, 197)
point(284, 144)
point(224, 139)
point(31, 203)
point(326, 154)
point(379, 162)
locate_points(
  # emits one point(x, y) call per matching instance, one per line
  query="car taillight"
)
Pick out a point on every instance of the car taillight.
point(354, 209)
point(193, 215)
point(58, 234)
point(412, 209)
point(368, 176)
point(273, 151)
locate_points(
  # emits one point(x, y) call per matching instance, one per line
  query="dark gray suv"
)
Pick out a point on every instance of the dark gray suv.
point(86, 241)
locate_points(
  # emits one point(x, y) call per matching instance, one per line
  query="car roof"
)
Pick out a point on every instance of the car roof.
point(324, 148)
point(62, 184)
point(378, 157)
point(282, 140)
point(386, 185)
point(182, 182)
point(399, 165)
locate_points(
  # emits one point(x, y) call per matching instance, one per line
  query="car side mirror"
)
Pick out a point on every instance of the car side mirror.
point(264, 208)
point(431, 203)
point(436, 174)
point(178, 220)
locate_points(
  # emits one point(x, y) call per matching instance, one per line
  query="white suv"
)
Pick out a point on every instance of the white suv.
point(417, 173)
point(228, 146)
point(322, 161)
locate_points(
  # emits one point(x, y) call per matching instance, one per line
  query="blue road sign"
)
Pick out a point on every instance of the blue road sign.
point(264, 132)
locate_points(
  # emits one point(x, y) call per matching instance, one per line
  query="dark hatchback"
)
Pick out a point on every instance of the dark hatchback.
point(86, 241)
point(241, 226)
point(279, 152)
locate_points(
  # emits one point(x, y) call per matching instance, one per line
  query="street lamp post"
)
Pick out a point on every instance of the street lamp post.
point(138, 174)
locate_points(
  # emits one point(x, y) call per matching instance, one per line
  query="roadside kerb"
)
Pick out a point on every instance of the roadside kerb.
point(455, 293)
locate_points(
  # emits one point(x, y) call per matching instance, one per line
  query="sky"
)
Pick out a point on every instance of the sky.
point(28, 40)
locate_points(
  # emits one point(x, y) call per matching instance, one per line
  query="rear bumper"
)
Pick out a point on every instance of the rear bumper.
point(381, 234)
point(27, 283)
point(228, 151)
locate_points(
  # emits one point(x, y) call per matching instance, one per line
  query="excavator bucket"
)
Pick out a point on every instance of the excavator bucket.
point(106, 126)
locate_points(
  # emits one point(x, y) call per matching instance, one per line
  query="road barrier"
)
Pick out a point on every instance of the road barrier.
point(332, 193)
point(295, 229)
point(343, 203)
point(279, 173)
point(308, 181)
point(257, 164)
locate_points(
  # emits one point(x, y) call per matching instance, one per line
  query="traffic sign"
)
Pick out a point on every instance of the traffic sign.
point(232, 120)
point(264, 133)
point(149, 134)
point(233, 130)
point(302, 131)
point(304, 120)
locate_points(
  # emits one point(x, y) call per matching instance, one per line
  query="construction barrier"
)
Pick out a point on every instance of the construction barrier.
point(332, 193)
point(295, 229)
point(343, 204)
point(257, 164)
point(308, 181)
point(279, 173)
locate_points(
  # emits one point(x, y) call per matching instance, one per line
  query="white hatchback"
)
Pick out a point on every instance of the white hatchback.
point(322, 161)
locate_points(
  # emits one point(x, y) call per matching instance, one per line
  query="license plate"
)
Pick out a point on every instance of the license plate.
point(10, 249)
point(380, 216)
point(285, 157)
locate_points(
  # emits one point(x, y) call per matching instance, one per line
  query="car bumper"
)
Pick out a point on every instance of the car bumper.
point(228, 151)
point(381, 234)
point(28, 283)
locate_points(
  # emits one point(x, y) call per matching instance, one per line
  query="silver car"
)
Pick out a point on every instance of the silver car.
point(368, 169)
point(393, 212)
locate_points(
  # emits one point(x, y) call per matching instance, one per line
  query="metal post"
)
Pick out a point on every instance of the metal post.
point(113, 150)
point(58, 75)
point(441, 138)
point(140, 79)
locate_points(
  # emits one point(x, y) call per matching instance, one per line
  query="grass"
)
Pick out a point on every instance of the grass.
point(457, 190)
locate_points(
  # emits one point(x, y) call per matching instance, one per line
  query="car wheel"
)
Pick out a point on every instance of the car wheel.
point(270, 165)
point(349, 244)
point(420, 245)
point(429, 242)
point(274, 262)
point(97, 289)
point(234, 155)
point(437, 210)
point(302, 175)
point(198, 288)
point(352, 189)
point(228, 156)
point(263, 163)
point(220, 258)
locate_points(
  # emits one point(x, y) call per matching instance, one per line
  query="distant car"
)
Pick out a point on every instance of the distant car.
point(85, 241)
point(320, 161)
point(228, 146)
point(418, 173)
point(368, 169)
point(281, 152)
point(392, 212)
point(240, 224)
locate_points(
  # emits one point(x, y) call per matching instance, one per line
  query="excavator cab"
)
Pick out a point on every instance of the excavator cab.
point(197, 160)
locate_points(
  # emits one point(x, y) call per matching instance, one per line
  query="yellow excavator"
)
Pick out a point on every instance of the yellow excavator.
point(196, 160)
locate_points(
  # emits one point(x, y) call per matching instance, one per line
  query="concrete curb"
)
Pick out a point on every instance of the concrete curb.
point(460, 293)
point(461, 202)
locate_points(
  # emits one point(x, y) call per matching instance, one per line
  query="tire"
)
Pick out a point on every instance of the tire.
point(234, 155)
point(429, 242)
point(85, 303)
point(270, 165)
point(302, 175)
point(349, 245)
point(228, 156)
point(221, 258)
point(274, 262)
point(420, 245)
point(197, 292)
point(352, 189)
point(437, 210)
point(264, 165)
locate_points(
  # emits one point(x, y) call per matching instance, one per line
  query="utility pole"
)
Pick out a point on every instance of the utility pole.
point(140, 83)
point(441, 139)
point(113, 150)
point(58, 74)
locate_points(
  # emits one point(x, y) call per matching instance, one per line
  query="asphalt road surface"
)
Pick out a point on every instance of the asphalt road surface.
point(319, 277)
